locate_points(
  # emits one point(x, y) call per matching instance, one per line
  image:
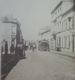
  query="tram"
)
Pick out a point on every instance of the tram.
point(44, 45)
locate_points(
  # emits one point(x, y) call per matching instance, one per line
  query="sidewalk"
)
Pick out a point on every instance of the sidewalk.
point(68, 54)
point(8, 62)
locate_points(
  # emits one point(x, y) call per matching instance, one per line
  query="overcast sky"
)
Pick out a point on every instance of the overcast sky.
point(32, 14)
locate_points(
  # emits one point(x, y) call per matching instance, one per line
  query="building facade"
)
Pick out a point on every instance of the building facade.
point(63, 26)
point(10, 33)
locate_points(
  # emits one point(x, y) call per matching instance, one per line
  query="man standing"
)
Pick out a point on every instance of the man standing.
point(12, 49)
point(6, 48)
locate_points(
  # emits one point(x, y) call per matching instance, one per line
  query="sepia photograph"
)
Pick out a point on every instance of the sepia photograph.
point(37, 39)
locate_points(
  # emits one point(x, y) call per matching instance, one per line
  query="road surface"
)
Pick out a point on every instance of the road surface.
point(43, 66)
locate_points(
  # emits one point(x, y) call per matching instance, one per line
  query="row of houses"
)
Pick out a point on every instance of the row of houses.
point(61, 35)
point(10, 32)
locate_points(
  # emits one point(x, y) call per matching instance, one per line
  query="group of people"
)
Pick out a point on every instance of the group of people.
point(32, 47)
point(19, 50)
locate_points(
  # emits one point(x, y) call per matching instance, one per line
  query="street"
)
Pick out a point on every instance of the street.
point(43, 66)
point(37, 39)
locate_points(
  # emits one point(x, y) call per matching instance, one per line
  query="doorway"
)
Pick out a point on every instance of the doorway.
point(73, 43)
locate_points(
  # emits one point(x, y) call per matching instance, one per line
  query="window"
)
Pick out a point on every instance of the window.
point(65, 42)
point(62, 43)
point(62, 25)
point(59, 41)
point(57, 27)
point(70, 22)
point(68, 41)
point(66, 24)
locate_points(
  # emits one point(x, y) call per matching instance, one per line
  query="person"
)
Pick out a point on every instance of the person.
point(23, 51)
point(12, 49)
point(17, 51)
point(2, 48)
point(34, 46)
point(20, 50)
point(6, 48)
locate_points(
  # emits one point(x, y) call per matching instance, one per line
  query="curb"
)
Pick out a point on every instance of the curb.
point(64, 54)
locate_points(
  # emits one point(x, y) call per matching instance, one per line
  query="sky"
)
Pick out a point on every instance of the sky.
point(32, 14)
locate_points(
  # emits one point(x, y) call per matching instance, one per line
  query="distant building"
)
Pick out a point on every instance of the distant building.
point(63, 26)
point(44, 38)
point(44, 33)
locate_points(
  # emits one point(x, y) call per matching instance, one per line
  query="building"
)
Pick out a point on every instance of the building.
point(63, 26)
point(10, 32)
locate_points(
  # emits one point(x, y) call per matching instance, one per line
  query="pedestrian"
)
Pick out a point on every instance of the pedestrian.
point(12, 48)
point(2, 48)
point(24, 51)
point(6, 47)
point(34, 47)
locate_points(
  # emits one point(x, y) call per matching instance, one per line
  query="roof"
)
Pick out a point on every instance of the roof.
point(56, 7)
point(60, 4)
point(12, 20)
point(45, 32)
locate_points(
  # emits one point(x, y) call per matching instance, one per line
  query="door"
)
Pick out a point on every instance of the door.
point(59, 44)
point(73, 43)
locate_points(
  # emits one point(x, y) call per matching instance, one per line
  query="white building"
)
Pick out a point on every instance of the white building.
point(44, 33)
point(63, 27)
point(7, 33)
